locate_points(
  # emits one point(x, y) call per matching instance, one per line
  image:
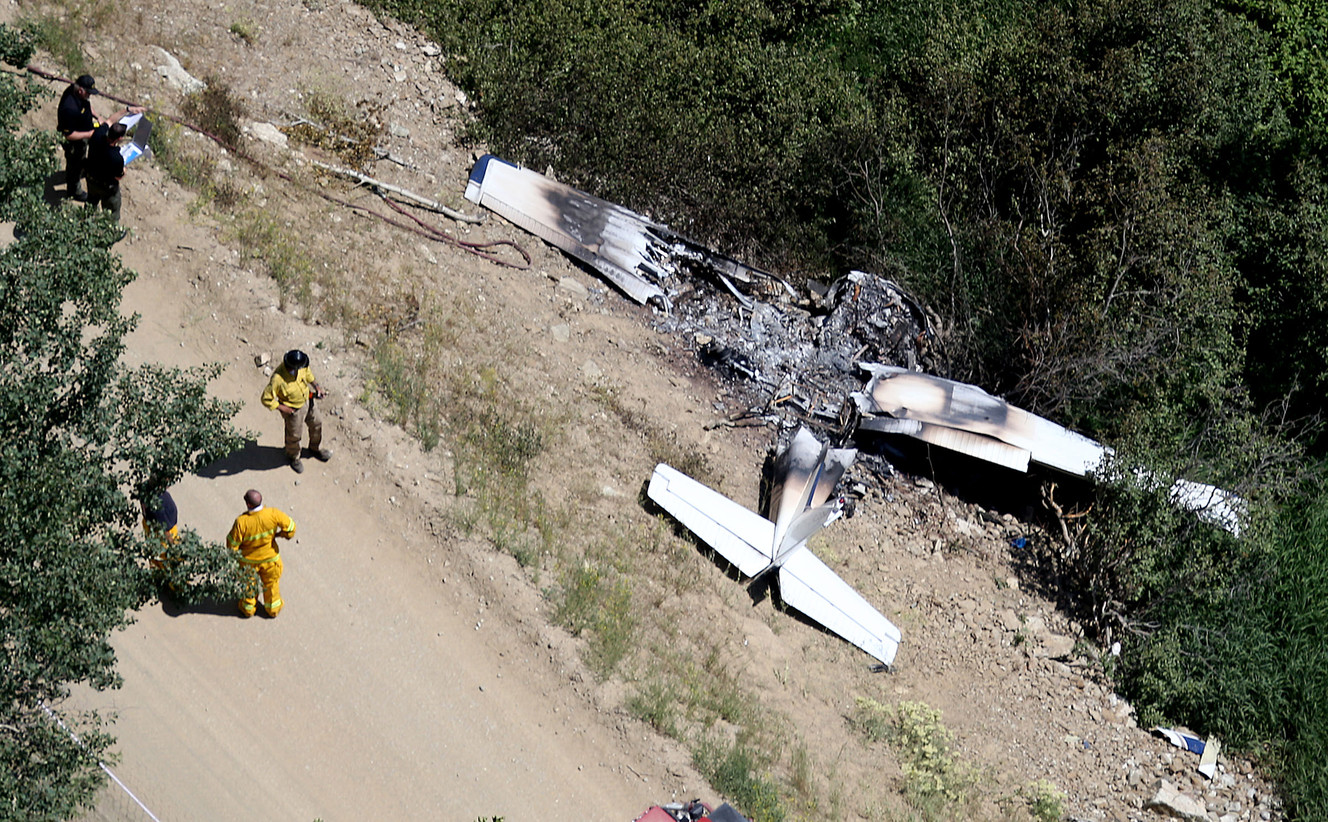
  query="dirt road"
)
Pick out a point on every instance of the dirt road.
point(378, 693)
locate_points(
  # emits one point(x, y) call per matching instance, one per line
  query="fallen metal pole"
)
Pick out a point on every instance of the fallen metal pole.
point(424, 201)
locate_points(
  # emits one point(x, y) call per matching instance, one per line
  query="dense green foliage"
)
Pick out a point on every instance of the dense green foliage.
point(1221, 633)
point(1118, 208)
point(83, 438)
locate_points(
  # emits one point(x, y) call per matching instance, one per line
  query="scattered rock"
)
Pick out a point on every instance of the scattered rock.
point(574, 288)
point(1009, 620)
point(175, 75)
point(1056, 646)
point(267, 133)
point(1170, 801)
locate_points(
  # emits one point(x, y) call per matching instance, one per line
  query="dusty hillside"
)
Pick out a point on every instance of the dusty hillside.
point(416, 673)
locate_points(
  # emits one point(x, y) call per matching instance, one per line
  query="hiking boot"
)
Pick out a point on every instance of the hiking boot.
point(323, 454)
point(297, 465)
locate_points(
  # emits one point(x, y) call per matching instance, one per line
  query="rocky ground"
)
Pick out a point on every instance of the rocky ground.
point(998, 660)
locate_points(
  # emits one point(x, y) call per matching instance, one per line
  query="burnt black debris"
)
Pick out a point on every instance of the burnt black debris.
point(797, 359)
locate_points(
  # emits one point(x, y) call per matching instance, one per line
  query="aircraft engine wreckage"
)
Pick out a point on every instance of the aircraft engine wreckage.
point(800, 359)
point(805, 476)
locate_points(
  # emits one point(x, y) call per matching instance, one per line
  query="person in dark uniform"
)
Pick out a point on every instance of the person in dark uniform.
point(76, 120)
point(105, 168)
point(161, 520)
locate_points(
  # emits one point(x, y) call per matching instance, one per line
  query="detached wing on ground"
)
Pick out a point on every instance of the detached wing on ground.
point(639, 256)
point(964, 418)
point(806, 474)
point(742, 537)
point(808, 585)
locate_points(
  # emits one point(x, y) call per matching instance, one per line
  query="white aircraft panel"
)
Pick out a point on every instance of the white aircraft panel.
point(743, 537)
point(802, 527)
point(797, 471)
point(906, 394)
point(965, 442)
point(807, 584)
point(607, 236)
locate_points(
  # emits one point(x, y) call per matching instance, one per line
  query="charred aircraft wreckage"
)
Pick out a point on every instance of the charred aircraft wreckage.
point(849, 359)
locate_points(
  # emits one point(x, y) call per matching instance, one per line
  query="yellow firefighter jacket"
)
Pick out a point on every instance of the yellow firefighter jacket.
point(254, 531)
point(287, 390)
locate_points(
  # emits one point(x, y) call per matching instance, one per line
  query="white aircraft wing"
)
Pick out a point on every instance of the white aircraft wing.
point(743, 537)
point(807, 584)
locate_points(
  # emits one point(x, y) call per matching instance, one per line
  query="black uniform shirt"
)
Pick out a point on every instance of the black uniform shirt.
point(74, 114)
point(105, 162)
point(163, 512)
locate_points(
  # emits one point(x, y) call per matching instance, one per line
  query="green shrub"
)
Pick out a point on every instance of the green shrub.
point(597, 603)
point(246, 30)
point(215, 111)
point(936, 782)
point(192, 168)
point(654, 702)
point(62, 36)
point(1046, 803)
point(735, 770)
point(350, 132)
point(1249, 665)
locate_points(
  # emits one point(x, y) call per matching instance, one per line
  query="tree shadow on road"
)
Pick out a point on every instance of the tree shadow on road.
point(252, 457)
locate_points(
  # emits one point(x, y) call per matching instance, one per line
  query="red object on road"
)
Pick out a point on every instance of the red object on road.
point(694, 811)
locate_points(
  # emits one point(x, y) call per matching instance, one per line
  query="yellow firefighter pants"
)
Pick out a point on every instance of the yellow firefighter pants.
point(268, 573)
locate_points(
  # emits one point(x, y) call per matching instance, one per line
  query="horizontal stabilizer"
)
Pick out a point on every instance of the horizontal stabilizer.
point(743, 537)
point(808, 585)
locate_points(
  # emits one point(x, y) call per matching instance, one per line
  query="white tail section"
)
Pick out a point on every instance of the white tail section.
point(807, 584)
point(807, 474)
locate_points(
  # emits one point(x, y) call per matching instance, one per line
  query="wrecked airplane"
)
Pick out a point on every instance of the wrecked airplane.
point(805, 476)
point(800, 357)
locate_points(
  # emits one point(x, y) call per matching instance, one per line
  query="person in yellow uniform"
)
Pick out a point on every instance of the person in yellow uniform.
point(292, 391)
point(253, 536)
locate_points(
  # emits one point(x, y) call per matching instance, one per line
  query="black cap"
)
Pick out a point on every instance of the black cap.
point(86, 82)
point(295, 359)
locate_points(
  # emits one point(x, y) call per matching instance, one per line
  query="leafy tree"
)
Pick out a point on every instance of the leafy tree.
point(83, 439)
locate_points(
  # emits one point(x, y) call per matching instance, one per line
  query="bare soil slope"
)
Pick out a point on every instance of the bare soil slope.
point(414, 673)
